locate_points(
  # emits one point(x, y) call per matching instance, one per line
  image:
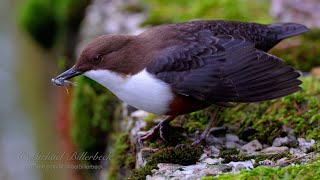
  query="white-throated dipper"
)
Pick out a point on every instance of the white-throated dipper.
point(180, 68)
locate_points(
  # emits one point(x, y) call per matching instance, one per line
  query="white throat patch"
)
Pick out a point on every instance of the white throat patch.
point(142, 90)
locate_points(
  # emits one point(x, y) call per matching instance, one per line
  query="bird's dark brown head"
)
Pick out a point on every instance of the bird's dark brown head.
point(100, 54)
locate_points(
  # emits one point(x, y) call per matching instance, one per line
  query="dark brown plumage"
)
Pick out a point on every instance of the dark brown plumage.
point(201, 62)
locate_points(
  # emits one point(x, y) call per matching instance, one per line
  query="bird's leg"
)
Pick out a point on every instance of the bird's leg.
point(206, 131)
point(158, 128)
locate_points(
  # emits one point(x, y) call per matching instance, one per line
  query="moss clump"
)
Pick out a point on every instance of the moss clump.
point(195, 121)
point(228, 152)
point(173, 137)
point(172, 133)
point(123, 158)
point(309, 171)
point(92, 115)
point(184, 156)
point(234, 155)
point(193, 126)
point(166, 11)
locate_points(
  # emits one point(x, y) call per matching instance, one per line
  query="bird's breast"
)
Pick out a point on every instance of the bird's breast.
point(142, 90)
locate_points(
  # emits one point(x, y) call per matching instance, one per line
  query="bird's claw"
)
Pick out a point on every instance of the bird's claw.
point(152, 132)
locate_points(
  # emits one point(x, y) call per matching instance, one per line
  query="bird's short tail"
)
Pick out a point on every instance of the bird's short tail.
point(285, 30)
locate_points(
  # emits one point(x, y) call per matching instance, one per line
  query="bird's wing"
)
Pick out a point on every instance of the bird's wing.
point(221, 69)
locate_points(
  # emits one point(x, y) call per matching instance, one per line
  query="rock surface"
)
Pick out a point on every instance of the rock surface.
point(275, 150)
point(251, 147)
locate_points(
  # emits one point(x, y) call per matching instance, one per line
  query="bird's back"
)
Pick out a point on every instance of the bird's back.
point(264, 36)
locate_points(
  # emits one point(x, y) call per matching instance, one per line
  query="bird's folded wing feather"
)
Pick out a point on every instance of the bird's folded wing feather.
point(221, 69)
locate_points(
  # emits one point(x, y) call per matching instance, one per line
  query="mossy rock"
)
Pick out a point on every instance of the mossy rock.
point(234, 155)
point(93, 111)
point(185, 155)
point(308, 171)
point(122, 157)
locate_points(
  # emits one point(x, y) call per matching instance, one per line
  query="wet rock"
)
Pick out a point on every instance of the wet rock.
point(305, 145)
point(283, 162)
point(242, 142)
point(203, 156)
point(275, 150)
point(265, 146)
point(293, 142)
point(280, 141)
point(251, 147)
point(296, 153)
point(177, 172)
point(212, 161)
point(232, 145)
point(212, 151)
point(224, 168)
point(289, 141)
point(216, 140)
point(238, 165)
point(232, 138)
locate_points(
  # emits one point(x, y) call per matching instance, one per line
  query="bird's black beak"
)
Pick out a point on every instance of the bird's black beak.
point(61, 79)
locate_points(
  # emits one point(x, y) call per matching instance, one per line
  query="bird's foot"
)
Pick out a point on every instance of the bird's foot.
point(154, 131)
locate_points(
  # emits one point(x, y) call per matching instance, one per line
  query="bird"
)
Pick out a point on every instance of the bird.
point(175, 69)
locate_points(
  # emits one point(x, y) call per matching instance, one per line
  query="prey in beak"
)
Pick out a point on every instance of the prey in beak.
point(61, 80)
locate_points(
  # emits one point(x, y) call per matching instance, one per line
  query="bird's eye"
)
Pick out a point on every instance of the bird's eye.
point(97, 59)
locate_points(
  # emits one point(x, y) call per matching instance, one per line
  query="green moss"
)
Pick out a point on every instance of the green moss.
point(191, 127)
point(166, 11)
point(233, 155)
point(227, 152)
point(92, 113)
point(123, 158)
point(172, 135)
point(309, 171)
point(142, 173)
point(195, 121)
point(184, 156)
